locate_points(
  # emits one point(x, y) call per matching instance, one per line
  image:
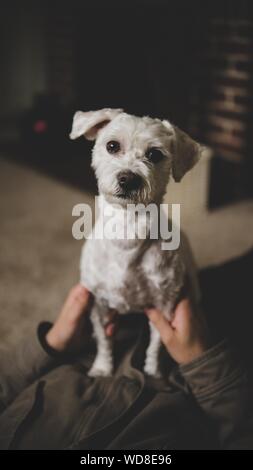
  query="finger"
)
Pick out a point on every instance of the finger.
point(78, 302)
point(182, 317)
point(161, 323)
point(77, 290)
point(74, 296)
point(110, 329)
point(77, 293)
point(84, 298)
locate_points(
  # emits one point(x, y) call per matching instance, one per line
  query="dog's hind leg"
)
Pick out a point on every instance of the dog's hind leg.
point(151, 366)
point(103, 364)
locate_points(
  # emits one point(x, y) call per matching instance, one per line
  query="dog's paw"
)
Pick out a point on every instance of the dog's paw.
point(95, 372)
point(100, 370)
point(150, 368)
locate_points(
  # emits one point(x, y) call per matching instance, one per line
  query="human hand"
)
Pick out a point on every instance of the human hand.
point(186, 336)
point(67, 333)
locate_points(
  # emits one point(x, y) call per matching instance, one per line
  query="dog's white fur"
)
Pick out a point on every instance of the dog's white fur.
point(131, 275)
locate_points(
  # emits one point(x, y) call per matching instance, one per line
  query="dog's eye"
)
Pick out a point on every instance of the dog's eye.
point(113, 146)
point(154, 155)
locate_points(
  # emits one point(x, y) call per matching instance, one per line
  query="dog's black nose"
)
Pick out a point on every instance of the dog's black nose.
point(129, 181)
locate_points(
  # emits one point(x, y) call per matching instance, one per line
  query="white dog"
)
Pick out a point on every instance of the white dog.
point(133, 159)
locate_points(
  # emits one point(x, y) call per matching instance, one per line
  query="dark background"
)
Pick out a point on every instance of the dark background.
point(190, 62)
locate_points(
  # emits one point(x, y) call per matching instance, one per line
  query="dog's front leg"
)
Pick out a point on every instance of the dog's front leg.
point(103, 365)
point(151, 366)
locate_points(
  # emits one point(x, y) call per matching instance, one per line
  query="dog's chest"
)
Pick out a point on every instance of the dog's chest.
point(124, 281)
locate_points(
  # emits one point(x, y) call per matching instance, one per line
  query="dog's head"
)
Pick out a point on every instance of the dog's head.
point(133, 157)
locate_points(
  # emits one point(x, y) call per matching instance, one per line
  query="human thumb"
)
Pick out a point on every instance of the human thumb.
point(161, 323)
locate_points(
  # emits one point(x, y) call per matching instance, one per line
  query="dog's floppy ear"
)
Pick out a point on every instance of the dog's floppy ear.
point(89, 123)
point(186, 152)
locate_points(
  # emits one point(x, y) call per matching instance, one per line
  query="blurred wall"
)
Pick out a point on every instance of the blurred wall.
point(23, 70)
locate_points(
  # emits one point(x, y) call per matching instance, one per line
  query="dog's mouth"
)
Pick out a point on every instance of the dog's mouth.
point(123, 197)
point(123, 194)
point(129, 195)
